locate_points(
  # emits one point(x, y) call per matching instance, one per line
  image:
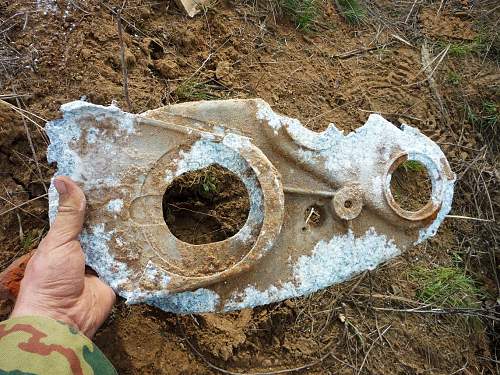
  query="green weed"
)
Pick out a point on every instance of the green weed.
point(478, 45)
point(457, 258)
point(446, 287)
point(30, 240)
point(454, 78)
point(191, 91)
point(490, 113)
point(413, 166)
point(487, 116)
point(471, 114)
point(461, 49)
point(209, 183)
point(303, 12)
point(351, 10)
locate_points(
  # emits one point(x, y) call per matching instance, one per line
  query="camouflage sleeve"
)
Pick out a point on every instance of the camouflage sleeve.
point(39, 345)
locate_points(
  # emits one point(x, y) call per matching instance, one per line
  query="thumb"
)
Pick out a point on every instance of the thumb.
point(70, 214)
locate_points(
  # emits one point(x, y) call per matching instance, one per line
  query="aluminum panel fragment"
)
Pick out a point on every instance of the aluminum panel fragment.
point(125, 162)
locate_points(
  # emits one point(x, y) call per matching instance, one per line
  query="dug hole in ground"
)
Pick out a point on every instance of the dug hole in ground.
point(432, 65)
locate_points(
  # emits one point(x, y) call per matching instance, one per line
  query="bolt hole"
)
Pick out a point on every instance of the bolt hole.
point(314, 216)
point(411, 186)
point(206, 205)
point(348, 204)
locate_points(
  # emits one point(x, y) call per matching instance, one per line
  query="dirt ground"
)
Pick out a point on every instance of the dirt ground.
point(431, 64)
point(207, 205)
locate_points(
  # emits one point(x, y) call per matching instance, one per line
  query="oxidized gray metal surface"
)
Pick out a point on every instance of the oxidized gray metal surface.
point(125, 162)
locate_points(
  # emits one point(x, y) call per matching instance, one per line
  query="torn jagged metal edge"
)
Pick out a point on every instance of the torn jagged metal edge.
point(330, 262)
point(319, 145)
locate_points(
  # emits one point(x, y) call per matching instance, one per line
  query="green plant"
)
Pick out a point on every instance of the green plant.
point(413, 166)
point(446, 287)
point(460, 49)
point(303, 12)
point(351, 10)
point(191, 90)
point(479, 44)
point(209, 183)
point(490, 114)
point(454, 78)
point(457, 258)
point(471, 115)
point(29, 240)
point(487, 116)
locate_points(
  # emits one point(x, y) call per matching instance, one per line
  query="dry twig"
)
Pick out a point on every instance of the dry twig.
point(122, 56)
point(23, 204)
point(32, 147)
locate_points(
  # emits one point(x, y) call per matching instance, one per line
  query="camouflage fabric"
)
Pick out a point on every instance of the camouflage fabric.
point(39, 346)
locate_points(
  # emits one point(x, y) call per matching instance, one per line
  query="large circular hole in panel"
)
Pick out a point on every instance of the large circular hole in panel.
point(206, 205)
point(411, 186)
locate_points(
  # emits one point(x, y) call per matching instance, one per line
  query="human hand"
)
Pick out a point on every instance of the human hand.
point(55, 283)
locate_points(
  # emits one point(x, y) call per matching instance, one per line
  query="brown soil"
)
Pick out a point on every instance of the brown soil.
point(207, 205)
point(411, 186)
point(455, 27)
point(332, 72)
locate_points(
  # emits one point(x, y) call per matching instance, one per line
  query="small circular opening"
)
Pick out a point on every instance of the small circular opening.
point(313, 216)
point(206, 205)
point(348, 204)
point(411, 186)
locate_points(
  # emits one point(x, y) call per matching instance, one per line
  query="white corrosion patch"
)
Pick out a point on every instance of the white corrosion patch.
point(199, 301)
point(95, 241)
point(331, 262)
point(115, 206)
point(66, 136)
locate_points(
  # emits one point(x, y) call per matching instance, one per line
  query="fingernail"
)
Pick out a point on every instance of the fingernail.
point(60, 186)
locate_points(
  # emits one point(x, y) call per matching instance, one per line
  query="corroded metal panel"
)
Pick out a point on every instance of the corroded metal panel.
point(125, 162)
